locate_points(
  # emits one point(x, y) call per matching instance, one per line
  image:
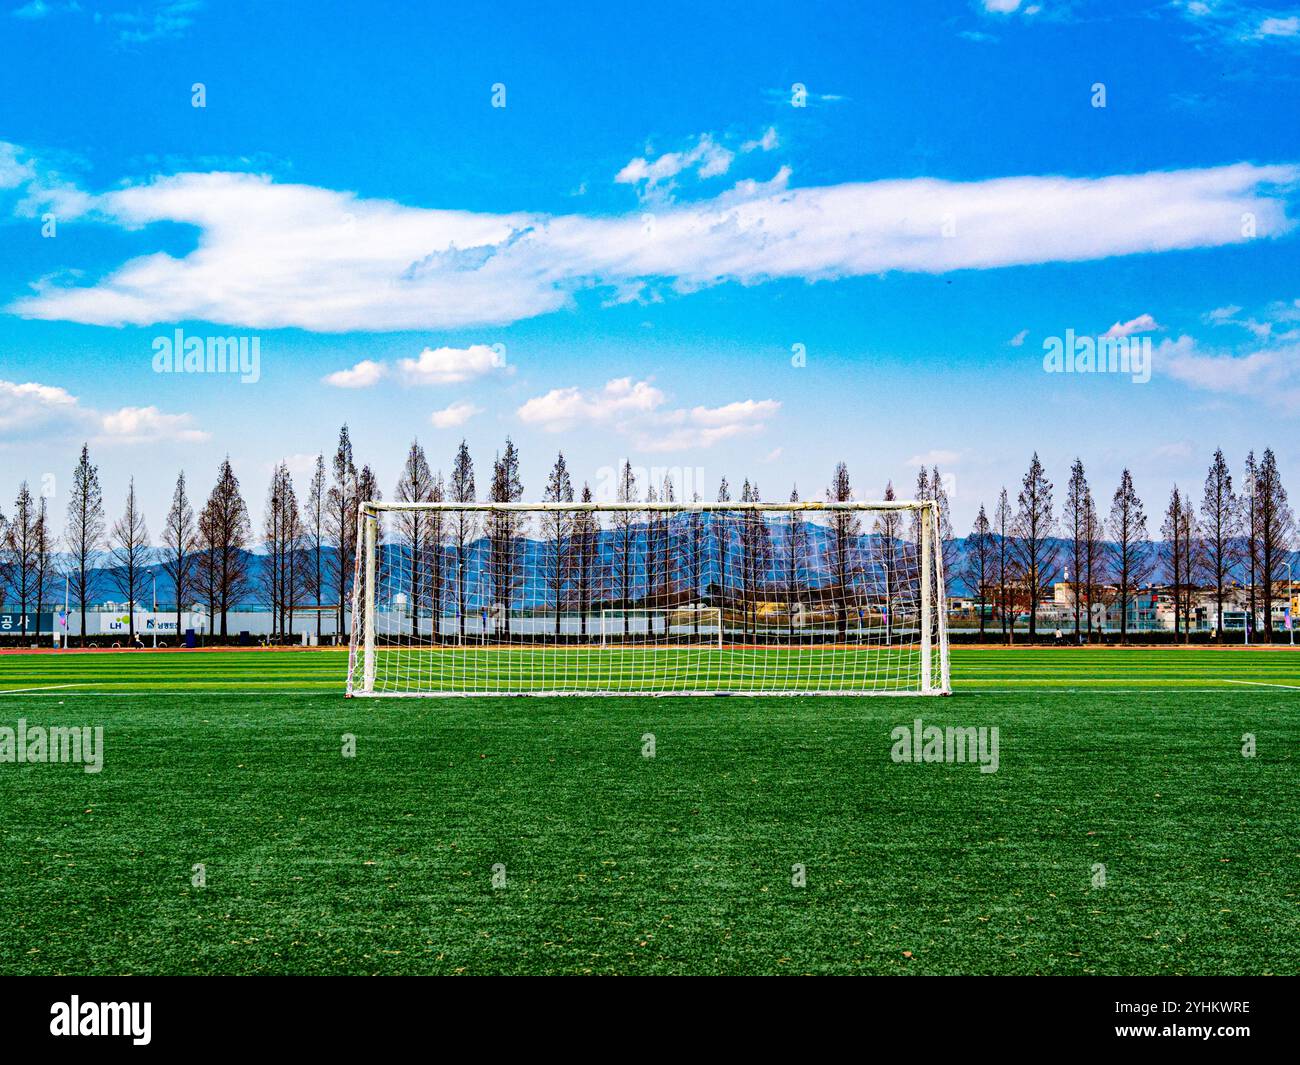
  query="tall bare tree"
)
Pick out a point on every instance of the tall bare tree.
point(981, 559)
point(341, 526)
point(844, 561)
point(1130, 548)
point(1221, 525)
point(1035, 547)
point(585, 555)
point(180, 546)
point(1094, 558)
point(1003, 522)
point(557, 537)
point(755, 555)
point(1276, 529)
point(1250, 526)
point(888, 530)
point(20, 545)
point(314, 525)
point(625, 541)
point(130, 552)
point(85, 530)
point(1175, 554)
point(45, 544)
point(505, 533)
point(463, 526)
point(415, 485)
point(1075, 520)
point(225, 530)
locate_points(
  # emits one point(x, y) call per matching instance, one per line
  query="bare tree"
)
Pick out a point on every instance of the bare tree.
point(130, 552)
point(1130, 549)
point(557, 534)
point(1075, 520)
point(85, 530)
point(505, 533)
point(435, 583)
point(981, 561)
point(1221, 522)
point(1251, 525)
point(44, 558)
point(1005, 563)
point(342, 503)
point(585, 538)
point(20, 544)
point(313, 523)
point(625, 541)
point(179, 546)
point(1175, 554)
point(845, 528)
point(1094, 558)
point(1276, 527)
point(463, 525)
point(413, 533)
point(887, 529)
point(282, 576)
point(225, 529)
point(755, 555)
point(1034, 546)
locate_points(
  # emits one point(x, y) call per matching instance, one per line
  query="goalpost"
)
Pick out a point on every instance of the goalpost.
point(462, 599)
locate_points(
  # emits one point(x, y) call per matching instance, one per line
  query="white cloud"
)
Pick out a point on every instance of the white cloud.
point(563, 408)
point(1270, 374)
point(31, 410)
point(637, 409)
point(456, 414)
point(1143, 323)
point(273, 256)
point(1001, 7)
point(653, 177)
point(1019, 339)
point(30, 406)
point(13, 171)
point(452, 366)
point(148, 425)
point(1280, 27)
point(363, 375)
point(766, 142)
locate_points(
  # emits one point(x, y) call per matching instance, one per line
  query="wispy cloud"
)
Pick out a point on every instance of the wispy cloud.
point(640, 410)
point(1143, 323)
point(330, 261)
point(453, 416)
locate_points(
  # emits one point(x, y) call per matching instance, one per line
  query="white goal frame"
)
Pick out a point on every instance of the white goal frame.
point(931, 651)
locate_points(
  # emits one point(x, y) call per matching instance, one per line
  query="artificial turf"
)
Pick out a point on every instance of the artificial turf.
point(614, 862)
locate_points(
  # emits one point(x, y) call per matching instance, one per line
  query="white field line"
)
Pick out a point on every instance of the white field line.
point(1265, 684)
point(43, 687)
point(267, 693)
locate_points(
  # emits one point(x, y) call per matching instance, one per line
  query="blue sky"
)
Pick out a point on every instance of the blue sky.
point(621, 260)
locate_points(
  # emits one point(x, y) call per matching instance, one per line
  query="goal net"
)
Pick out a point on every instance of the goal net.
point(648, 599)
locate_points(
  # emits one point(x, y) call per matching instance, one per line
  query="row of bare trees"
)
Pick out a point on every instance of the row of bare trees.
point(1012, 559)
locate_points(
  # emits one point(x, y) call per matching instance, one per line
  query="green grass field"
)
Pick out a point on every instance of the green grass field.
point(613, 862)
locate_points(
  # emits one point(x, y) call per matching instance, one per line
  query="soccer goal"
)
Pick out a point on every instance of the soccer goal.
point(458, 599)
